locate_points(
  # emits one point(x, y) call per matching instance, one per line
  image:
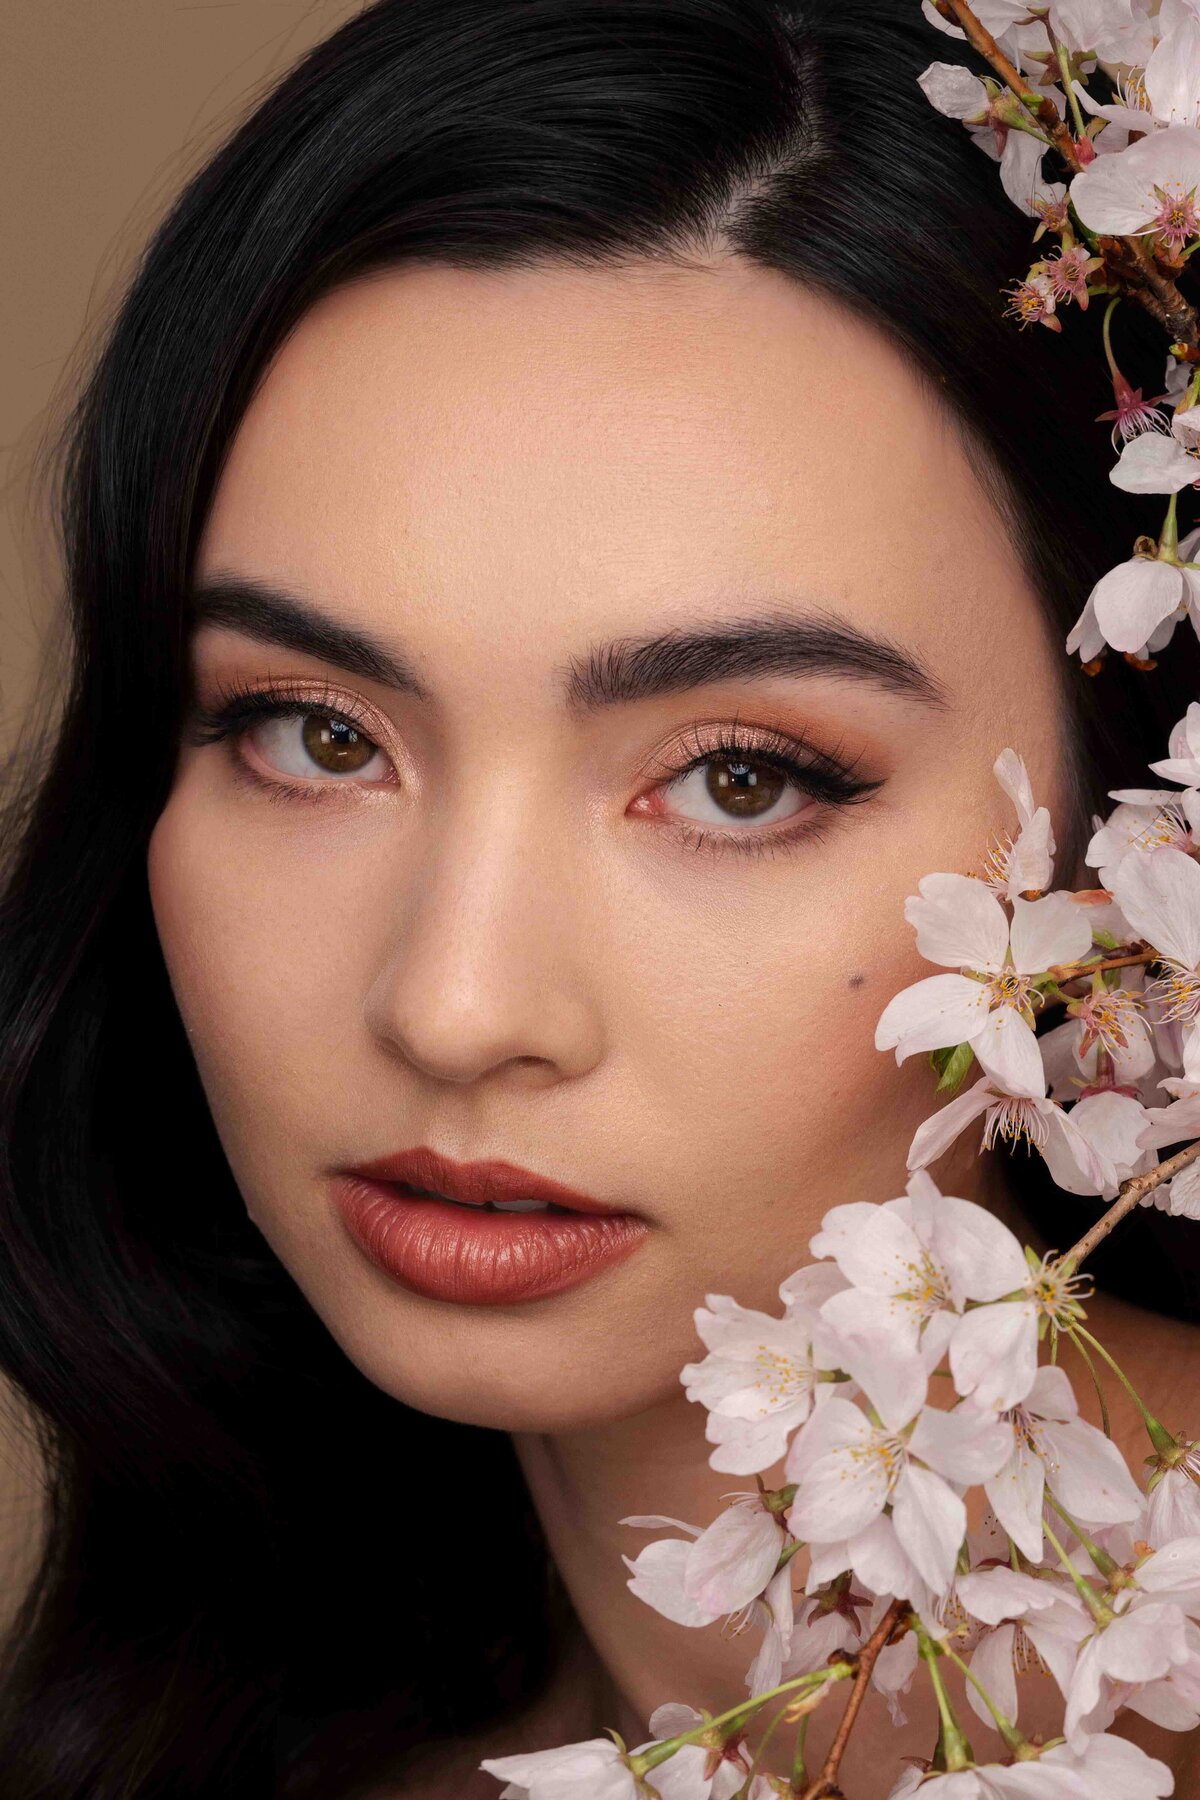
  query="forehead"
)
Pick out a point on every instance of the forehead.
point(550, 453)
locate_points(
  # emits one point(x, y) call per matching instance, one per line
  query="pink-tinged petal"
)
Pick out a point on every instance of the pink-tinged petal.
point(1172, 76)
point(1016, 1495)
point(837, 1425)
point(959, 922)
point(1007, 1050)
point(570, 1768)
point(1173, 1508)
point(807, 1289)
point(1116, 193)
point(939, 1132)
point(964, 1445)
point(931, 1015)
point(681, 1777)
point(953, 90)
point(894, 1381)
point(931, 1522)
point(1154, 463)
point(1085, 635)
point(733, 1560)
point(980, 1255)
point(1052, 1396)
point(1133, 598)
point(991, 1595)
point(993, 1354)
point(747, 1446)
point(1047, 932)
point(878, 1560)
point(1159, 893)
point(1174, 1568)
point(839, 1496)
point(1144, 1642)
point(1112, 1124)
point(992, 1665)
point(1010, 771)
point(854, 1313)
point(1073, 1162)
point(1087, 1473)
point(873, 1246)
point(655, 1522)
point(1115, 1769)
point(656, 1576)
point(1030, 864)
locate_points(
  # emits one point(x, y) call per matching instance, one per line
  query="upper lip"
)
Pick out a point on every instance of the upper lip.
point(474, 1183)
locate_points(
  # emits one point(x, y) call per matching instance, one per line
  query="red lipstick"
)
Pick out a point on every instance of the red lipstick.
point(429, 1223)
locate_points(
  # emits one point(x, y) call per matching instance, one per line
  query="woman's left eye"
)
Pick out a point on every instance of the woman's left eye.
point(727, 788)
point(310, 745)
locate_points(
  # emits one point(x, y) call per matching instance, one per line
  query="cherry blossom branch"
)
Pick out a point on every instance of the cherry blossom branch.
point(1076, 971)
point(1131, 1193)
point(1040, 105)
point(825, 1786)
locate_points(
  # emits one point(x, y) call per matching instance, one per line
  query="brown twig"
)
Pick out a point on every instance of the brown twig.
point(1129, 1195)
point(825, 1786)
point(1076, 971)
point(1040, 105)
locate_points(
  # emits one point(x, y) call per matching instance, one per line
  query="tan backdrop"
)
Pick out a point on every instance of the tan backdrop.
point(105, 107)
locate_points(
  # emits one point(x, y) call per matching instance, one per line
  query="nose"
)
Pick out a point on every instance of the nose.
point(491, 962)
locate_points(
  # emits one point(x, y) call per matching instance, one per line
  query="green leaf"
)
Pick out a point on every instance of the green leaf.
point(953, 1066)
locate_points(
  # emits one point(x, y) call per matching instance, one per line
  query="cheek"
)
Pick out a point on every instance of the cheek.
point(261, 965)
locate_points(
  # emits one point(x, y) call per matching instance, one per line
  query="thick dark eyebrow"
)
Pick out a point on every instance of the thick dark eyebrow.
point(627, 669)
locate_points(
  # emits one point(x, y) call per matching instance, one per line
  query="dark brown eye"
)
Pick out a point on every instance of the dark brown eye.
point(334, 745)
point(310, 745)
point(743, 789)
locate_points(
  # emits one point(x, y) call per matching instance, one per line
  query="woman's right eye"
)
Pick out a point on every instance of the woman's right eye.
point(310, 746)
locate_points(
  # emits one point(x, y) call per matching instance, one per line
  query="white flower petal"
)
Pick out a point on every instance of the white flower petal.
point(1135, 597)
point(931, 1522)
point(1008, 1051)
point(1049, 931)
point(1159, 893)
point(993, 1354)
point(959, 922)
point(931, 1015)
point(1116, 193)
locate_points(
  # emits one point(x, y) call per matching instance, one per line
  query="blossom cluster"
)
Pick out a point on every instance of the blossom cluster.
point(1114, 87)
point(907, 1367)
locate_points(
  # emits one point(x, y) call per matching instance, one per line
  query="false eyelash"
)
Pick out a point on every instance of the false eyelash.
point(239, 707)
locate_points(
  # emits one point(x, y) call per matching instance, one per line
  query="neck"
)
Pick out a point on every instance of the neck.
point(582, 1482)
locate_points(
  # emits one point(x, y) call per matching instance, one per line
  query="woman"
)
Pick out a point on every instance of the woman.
point(557, 537)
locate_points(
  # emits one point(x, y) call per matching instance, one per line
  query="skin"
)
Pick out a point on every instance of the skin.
point(510, 948)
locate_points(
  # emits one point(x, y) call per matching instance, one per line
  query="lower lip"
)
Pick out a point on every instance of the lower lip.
point(476, 1257)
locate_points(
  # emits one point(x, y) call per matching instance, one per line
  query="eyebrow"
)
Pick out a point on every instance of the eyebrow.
point(778, 642)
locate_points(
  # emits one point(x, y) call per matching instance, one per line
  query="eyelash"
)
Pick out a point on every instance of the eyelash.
point(813, 771)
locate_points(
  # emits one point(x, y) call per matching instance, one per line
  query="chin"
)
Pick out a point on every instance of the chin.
point(508, 1378)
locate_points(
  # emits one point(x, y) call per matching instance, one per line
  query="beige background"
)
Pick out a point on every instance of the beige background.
point(105, 107)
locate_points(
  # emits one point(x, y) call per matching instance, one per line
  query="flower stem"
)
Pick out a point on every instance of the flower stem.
point(1041, 106)
point(1106, 1564)
point(1168, 538)
point(1159, 1436)
point(1004, 1725)
point(799, 1768)
point(1095, 1375)
point(825, 1784)
point(1131, 1192)
point(738, 1715)
point(1106, 328)
point(1091, 1600)
point(951, 1739)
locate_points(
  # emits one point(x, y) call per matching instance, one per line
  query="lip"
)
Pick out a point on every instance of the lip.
point(449, 1252)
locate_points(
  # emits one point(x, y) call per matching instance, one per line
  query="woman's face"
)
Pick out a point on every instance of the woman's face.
point(548, 540)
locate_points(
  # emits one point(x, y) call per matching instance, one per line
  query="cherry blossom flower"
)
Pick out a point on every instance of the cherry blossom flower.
point(993, 1353)
point(1183, 763)
point(761, 1374)
point(1033, 1119)
point(1175, 1124)
point(727, 1566)
point(1144, 819)
point(913, 1263)
point(1052, 1446)
point(597, 1770)
point(1131, 607)
point(1104, 1768)
point(1159, 893)
point(727, 1766)
point(1173, 1504)
point(1024, 866)
point(1148, 1638)
point(1149, 186)
point(1160, 462)
point(961, 923)
point(1133, 414)
point(849, 1469)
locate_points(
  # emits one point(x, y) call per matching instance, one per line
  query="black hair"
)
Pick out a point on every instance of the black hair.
point(208, 1616)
